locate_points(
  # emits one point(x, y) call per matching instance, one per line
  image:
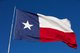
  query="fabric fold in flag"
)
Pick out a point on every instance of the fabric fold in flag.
point(39, 27)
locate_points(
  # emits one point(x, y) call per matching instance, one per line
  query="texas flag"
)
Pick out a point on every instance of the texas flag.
point(39, 27)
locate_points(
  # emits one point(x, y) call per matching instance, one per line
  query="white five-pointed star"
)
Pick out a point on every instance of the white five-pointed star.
point(27, 25)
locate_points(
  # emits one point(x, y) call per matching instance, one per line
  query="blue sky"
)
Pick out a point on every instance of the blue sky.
point(60, 8)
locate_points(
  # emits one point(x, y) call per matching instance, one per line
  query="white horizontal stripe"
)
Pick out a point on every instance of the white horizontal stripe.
point(55, 23)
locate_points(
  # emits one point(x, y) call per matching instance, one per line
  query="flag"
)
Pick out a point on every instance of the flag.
point(42, 28)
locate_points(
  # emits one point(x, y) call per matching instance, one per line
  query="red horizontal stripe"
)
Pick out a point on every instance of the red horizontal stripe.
point(51, 35)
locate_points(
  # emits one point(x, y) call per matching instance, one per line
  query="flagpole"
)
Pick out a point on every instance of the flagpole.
point(9, 44)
